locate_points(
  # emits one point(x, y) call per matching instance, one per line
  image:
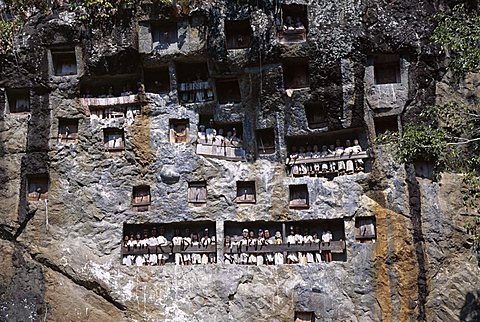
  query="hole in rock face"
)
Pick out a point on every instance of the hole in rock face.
point(238, 34)
point(265, 141)
point(304, 316)
point(64, 62)
point(164, 34)
point(18, 100)
point(387, 69)
point(67, 131)
point(385, 123)
point(295, 73)
point(228, 91)
point(231, 297)
point(114, 139)
point(246, 192)
point(316, 113)
point(37, 187)
point(179, 130)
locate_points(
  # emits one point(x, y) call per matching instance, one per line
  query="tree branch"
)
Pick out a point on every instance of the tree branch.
point(466, 141)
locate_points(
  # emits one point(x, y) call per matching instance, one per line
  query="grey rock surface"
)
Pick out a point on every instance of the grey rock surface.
point(62, 259)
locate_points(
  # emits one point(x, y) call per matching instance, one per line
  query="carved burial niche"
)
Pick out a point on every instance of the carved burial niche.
point(238, 34)
point(157, 80)
point(246, 192)
point(293, 24)
point(265, 141)
point(37, 187)
point(364, 228)
point(197, 192)
point(114, 139)
point(298, 196)
point(316, 113)
point(109, 85)
point(18, 100)
point(386, 69)
point(295, 73)
point(163, 34)
point(304, 316)
point(141, 198)
point(64, 61)
point(67, 130)
point(228, 91)
point(193, 82)
point(385, 123)
point(179, 130)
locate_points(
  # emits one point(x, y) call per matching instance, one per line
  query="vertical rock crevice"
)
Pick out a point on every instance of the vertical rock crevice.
point(415, 205)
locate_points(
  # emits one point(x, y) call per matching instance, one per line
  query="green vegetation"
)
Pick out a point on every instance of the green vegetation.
point(449, 135)
point(12, 18)
point(7, 32)
point(459, 32)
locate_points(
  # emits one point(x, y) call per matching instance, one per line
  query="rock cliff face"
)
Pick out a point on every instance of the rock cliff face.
point(62, 260)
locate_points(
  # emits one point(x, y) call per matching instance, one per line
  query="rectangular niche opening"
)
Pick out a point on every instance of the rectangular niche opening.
point(37, 187)
point(238, 34)
point(107, 86)
point(220, 139)
point(298, 196)
point(18, 100)
point(328, 154)
point(385, 123)
point(316, 113)
point(197, 192)
point(265, 141)
point(225, 129)
point(295, 73)
point(331, 233)
point(386, 69)
point(141, 198)
point(164, 34)
point(365, 228)
point(132, 251)
point(304, 316)
point(193, 83)
point(246, 192)
point(64, 62)
point(204, 119)
point(292, 25)
point(157, 80)
point(67, 130)
point(179, 130)
point(114, 139)
point(228, 91)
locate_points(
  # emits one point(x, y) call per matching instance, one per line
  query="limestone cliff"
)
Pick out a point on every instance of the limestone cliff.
point(62, 259)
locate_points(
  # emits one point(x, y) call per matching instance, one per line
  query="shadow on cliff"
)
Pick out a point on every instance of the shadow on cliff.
point(415, 203)
point(470, 311)
point(36, 159)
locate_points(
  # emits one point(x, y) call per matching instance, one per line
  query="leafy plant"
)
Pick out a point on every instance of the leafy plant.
point(417, 142)
point(459, 31)
point(7, 34)
point(13, 15)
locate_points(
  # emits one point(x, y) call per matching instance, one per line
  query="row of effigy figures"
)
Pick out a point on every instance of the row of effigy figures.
point(209, 135)
point(157, 238)
point(298, 166)
point(264, 237)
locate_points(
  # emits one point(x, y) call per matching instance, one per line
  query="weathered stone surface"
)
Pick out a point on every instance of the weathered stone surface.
point(61, 260)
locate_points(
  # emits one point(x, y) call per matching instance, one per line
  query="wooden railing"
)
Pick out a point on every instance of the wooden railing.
point(292, 36)
point(170, 249)
point(110, 101)
point(345, 157)
point(221, 151)
point(333, 246)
